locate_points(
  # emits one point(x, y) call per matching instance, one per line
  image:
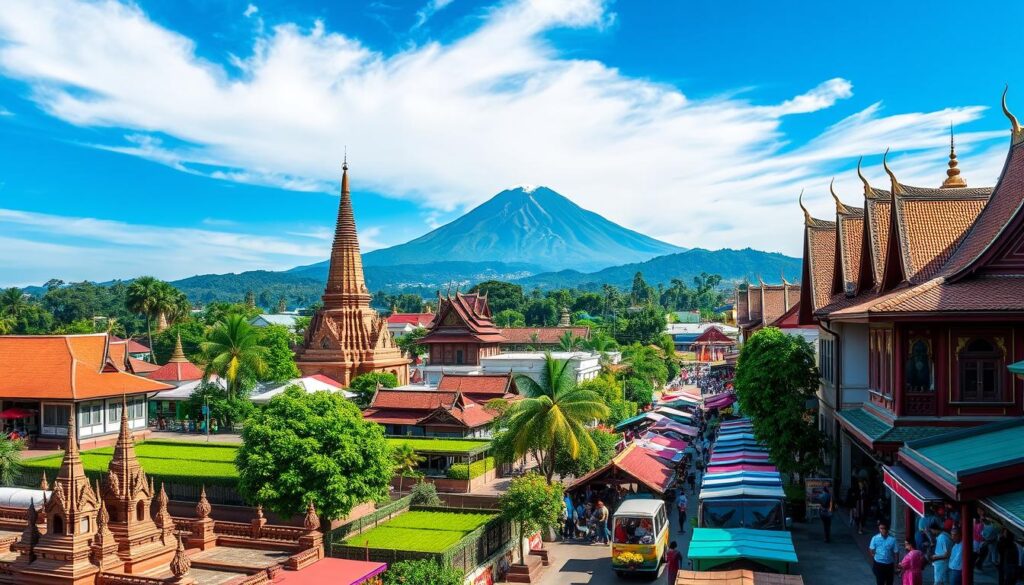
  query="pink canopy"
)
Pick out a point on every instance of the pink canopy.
point(671, 425)
point(720, 400)
point(664, 441)
point(739, 457)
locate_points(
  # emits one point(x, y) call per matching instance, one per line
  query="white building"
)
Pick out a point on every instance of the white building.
point(585, 365)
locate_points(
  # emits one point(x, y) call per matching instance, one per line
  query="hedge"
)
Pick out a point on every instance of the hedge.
point(471, 471)
point(440, 445)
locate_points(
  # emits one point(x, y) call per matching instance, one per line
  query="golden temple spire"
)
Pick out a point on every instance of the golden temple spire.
point(807, 214)
point(840, 208)
point(897, 189)
point(863, 179)
point(1016, 133)
point(953, 178)
point(346, 285)
point(179, 353)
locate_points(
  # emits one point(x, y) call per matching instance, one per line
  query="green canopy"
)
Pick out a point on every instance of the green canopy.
point(711, 547)
point(1016, 369)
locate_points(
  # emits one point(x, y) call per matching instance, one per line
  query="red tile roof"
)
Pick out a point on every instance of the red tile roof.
point(714, 335)
point(821, 245)
point(645, 466)
point(177, 372)
point(417, 319)
point(850, 234)
point(931, 226)
point(413, 399)
point(142, 367)
point(133, 346)
point(64, 367)
point(426, 406)
point(474, 386)
point(463, 316)
point(541, 335)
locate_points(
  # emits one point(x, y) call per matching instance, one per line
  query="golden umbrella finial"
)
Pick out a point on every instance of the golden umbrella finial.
point(953, 178)
point(896, 188)
point(1016, 132)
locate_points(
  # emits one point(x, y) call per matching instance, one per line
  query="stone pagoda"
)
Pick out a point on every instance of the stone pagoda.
point(346, 337)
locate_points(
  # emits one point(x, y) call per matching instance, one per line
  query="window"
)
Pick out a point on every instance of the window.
point(918, 369)
point(56, 415)
point(90, 413)
point(140, 511)
point(459, 360)
point(880, 361)
point(826, 359)
point(980, 363)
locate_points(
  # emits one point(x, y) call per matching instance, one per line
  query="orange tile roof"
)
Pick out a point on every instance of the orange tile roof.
point(420, 406)
point(413, 399)
point(878, 214)
point(645, 466)
point(494, 386)
point(821, 244)
point(714, 335)
point(735, 577)
point(64, 367)
point(545, 335)
point(850, 228)
point(932, 225)
point(463, 316)
point(133, 346)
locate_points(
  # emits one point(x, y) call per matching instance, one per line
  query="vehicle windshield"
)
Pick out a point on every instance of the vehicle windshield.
point(629, 530)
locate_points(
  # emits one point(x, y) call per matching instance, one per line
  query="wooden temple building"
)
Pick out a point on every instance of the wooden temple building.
point(346, 337)
point(118, 531)
point(919, 299)
point(762, 304)
point(712, 345)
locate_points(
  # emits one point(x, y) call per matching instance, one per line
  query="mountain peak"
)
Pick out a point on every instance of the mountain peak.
point(528, 224)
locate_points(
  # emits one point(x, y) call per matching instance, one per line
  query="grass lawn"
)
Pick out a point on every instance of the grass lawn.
point(171, 461)
point(421, 531)
point(430, 445)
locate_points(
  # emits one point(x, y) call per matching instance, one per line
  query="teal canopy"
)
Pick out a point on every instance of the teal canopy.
point(711, 547)
point(1016, 369)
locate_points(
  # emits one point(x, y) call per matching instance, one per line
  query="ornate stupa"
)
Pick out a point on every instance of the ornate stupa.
point(346, 337)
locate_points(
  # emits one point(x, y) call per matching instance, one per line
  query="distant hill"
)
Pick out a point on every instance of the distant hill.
point(731, 265)
point(533, 225)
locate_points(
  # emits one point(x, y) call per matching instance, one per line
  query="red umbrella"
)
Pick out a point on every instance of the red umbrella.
point(16, 413)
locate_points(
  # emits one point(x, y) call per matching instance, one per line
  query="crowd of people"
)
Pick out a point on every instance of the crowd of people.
point(937, 541)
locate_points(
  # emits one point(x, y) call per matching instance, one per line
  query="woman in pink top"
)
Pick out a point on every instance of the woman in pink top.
point(912, 565)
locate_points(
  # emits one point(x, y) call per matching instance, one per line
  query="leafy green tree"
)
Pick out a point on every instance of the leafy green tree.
point(541, 313)
point(509, 318)
point(232, 351)
point(406, 462)
point(364, 385)
point(280, 358)
point(422, 572)
point(501, 295)
point(643, 325)
point(567, 466)
point(10, 460)
point(646, 364)
point(553, 415)
point(226, 410)
point(639, 391)
point(570, 342)
point(314, 447)
point(13, 302)
point(193, 334)
point(776, 378)
point(424, 493)
point(589, 303)
point(531, 503)
point(410, 342)
point(218, 311)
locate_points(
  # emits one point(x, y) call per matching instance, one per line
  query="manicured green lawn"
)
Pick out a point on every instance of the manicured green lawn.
point(429, 445)
point(421, 531)
point(170, 461)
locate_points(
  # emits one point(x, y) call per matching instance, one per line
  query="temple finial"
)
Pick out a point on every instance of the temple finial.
point(178, 355)
point(896, 188)
point(953, 178)
point(344, 160)
point(863, 179)
point(1017, 135)
point(840, 208)
point(807, 214)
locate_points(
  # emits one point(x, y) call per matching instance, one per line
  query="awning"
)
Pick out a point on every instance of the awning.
point(909, 487)
point(720, 400)
point(670, 425)
point(736, 577)
point(740, 467)
point(711, 547)
point(1016, 369)
point(332, 570)
point(1008, 507)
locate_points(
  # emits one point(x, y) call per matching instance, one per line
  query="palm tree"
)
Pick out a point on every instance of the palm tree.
point(553, 415)
point(13, 303)
point(232, 351)
point(7, 324)
point(144, 297)
point(406, 462)
point(570, 342)
point(10, 461)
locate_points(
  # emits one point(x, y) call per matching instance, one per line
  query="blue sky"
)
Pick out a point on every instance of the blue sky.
point(175, 138)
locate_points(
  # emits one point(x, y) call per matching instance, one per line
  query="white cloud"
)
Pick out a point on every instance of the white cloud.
point(5, 112)
point(429, 10)
point(250, 10)
point(448, 125)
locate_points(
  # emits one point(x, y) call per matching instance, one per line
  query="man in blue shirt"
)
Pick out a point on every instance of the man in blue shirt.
point(827, 507)
point(955, 558)
point(940, 558)
point(883, 554)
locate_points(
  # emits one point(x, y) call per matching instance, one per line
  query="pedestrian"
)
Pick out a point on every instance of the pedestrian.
point(673, 560)
point(860, 506)
point(568, 524)
point(1009, 557)
point(827, 504)
point(940, 556)
point(912, 565)
point(883, 555)
point(691, 480)
point(601, 516)
point(681, 507)
point(953, 573)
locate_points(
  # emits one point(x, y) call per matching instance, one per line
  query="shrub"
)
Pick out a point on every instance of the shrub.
point(471, 471)
point(425, 494)
point(422, 572)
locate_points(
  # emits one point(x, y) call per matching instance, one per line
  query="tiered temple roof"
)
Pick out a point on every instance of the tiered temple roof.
point(421, 407)
point(463, 318)
point(346, 337)
point(177, 368)
point(952, 249)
